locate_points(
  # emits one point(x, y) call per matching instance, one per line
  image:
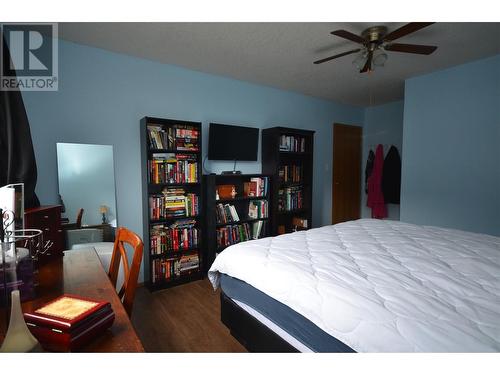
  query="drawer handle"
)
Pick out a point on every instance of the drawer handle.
point(46, 217)
point(47, 229)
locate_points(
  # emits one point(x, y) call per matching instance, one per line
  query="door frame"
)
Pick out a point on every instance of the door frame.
point(338, 124)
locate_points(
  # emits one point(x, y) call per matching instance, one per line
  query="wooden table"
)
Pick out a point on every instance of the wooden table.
point(80, 272)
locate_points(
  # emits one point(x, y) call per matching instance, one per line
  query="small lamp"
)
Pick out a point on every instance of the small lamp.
point(103, 210)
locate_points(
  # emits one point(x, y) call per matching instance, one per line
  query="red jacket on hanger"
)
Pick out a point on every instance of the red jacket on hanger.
point(375, 198)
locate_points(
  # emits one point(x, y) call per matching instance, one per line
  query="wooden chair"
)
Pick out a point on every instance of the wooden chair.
point(79, 216)
point(130, 274)
point(77, 224)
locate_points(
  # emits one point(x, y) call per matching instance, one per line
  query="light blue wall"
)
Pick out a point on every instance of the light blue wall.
point(383, 124)
point(103, 95)
point(451, 143)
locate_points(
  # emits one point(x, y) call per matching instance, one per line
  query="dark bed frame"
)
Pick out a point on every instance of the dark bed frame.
point(251, 333)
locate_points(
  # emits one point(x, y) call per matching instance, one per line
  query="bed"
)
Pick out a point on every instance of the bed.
point(364, 286)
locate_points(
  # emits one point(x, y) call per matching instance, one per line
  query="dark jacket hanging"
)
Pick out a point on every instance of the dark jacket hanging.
point(17, 158)
point(369, 168)
point(391, 177)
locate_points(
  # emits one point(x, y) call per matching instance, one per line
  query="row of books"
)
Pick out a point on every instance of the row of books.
point(180, 137)
point(232, 234)
point(290, 199)
point(292, 143)
point(173, 169)
point(173, 203)
point(186, 132)
point(258, 209)
point(226, 213)
point(256, 187)
point(290, 173)
point(182, 144)
point(165, 239)
point(160, 137)
point(174, 267)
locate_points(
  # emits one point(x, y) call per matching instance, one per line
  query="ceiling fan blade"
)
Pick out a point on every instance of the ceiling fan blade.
point(349, 36)
point(336, 56)
point(368, 64)
point(406, 29)
point(411, 48)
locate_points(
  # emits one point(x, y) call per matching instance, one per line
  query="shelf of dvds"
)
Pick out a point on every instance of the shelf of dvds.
point(242, 217)
point(172, 201)
point(287, 155)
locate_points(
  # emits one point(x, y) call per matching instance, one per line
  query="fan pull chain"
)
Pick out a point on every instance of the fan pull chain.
point(370, 88)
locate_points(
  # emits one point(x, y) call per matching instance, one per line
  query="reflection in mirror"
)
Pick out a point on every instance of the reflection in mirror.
point(87, 181)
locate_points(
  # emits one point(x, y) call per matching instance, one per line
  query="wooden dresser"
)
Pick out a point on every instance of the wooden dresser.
point(48, 220)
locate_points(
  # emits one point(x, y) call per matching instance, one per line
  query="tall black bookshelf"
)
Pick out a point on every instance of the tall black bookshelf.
point(216, 230)
point(171, 165)
point(287, 155)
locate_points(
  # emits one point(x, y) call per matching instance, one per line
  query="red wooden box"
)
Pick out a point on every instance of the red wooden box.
point(69, 322)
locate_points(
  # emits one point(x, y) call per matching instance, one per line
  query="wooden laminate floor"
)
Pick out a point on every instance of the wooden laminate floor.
point(185, 318)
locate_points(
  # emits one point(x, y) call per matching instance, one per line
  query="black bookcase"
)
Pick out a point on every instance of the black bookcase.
point(241, 202)
point(171, 165)
point(287, 155)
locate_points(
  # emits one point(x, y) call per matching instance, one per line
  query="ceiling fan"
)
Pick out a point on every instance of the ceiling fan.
point(375, 40)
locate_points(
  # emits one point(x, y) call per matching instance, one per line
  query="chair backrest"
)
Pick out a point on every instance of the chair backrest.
point(79, 216)
point(130, 273)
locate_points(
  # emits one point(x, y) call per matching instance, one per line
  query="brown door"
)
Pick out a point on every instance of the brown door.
point(346, 194)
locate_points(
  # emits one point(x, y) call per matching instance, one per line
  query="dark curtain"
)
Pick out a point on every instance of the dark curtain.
point(391, 177)
point(17, 158)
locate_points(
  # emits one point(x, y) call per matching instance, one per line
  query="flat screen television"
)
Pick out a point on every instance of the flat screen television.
point(229, 142)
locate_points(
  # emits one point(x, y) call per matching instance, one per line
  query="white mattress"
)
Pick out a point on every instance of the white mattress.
point(381, 286)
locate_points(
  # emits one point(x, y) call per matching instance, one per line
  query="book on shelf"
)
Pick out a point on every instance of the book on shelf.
point(181, 235)
point(173, 203)
point(290, 198)
point(186, 138)
point(226, 213)
point(174, 267)
point(257, 209)
point(257, 229)
point(292, 143)
point(170, 168)
point(186, 132)
point(232, 234)
point(160, 137)
point(185, 145)
point(256, 187)
point(250, 189)
point(290, 173)
point(173, 137)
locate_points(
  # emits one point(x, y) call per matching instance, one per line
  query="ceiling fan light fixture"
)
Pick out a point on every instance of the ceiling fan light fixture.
point(379, 58)
point(375, 40)
point(360, 59)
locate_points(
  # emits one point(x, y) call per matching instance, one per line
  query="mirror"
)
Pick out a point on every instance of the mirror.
point(87, 180)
